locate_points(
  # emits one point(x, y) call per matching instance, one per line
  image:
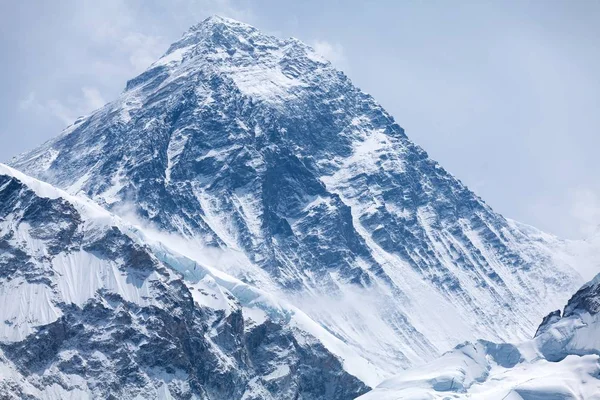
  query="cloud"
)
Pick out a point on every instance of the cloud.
point(585, 210)
point(27, 102)
point(136, 33)
point(333, 52)
point(121, 33)
point(60, 111)
point(142, 49)
point(68, 109)
point(92, 98)
point(105, 44)
point(74, 106)
point(231, 261)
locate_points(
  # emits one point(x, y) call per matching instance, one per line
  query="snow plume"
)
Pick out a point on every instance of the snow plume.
point(67, 109)
point(333, 52)
point(231, 261)
point(232, 270)
point(105, 277)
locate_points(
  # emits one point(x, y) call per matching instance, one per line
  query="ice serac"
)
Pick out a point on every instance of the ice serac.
point(259, 149)
point(577, 330)
point(561, 362)
point(92, 308)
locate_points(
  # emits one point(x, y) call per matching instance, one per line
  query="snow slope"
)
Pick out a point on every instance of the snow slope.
point(257, 151)
point(561, 362)
point(94, 308)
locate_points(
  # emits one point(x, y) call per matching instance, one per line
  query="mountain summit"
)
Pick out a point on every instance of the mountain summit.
point(260, 156)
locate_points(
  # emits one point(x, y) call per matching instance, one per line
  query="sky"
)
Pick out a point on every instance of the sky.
point(504, 94)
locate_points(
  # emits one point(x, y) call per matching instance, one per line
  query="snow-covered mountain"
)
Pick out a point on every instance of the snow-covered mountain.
point(561, 362)
point(93, 308)
point(255, 156)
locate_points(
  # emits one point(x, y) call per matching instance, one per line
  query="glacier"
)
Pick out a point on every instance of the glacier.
point(250, 166)
point(562, 361)
point(92, 308)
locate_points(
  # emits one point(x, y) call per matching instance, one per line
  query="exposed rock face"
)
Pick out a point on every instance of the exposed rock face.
point(256, 146)
point(89, 312)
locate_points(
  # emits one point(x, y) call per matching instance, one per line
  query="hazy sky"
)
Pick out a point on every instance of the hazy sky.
point(504, 94)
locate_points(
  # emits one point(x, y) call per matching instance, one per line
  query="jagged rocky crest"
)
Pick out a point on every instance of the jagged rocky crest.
point(88, 312)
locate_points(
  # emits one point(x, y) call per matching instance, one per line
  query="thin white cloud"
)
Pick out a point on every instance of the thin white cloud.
point(137, 34)
point(110, 42)
point(143, 49)
point(59, 110)
point(93, 98)
point(68, 109)
point(27, 102)
point(585, 209)
point(116, 27)
point(333, 52)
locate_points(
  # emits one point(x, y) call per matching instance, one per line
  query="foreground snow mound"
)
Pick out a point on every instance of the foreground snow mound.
point(93, 308)
point(259, 149)
point(577, 331)
point(561, 362)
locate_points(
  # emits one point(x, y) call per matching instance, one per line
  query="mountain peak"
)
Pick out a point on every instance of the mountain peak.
point(262, 66)
point(254, 147)
point(217, 20)
point(221, 32)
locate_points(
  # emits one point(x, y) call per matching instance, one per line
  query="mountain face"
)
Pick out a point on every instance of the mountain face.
point(257, 152)
point(561, 362)
point(92, 309)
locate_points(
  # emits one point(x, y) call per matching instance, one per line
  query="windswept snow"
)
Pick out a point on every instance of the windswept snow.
point(77, 276)
point(460, 376)
point(561, 362)
point(265, 84)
